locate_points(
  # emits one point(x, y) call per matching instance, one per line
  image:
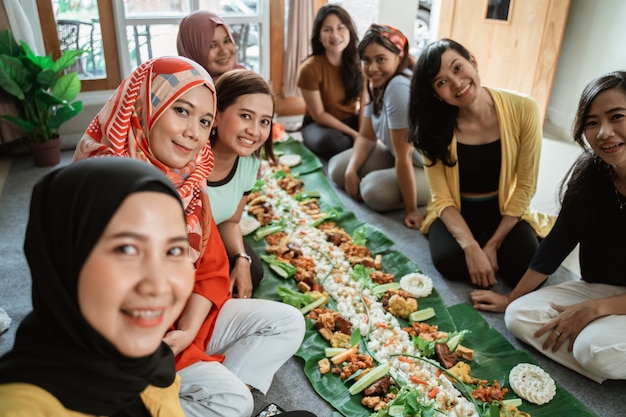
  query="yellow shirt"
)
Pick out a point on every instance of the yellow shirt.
point(27, 400)
point(520, 138)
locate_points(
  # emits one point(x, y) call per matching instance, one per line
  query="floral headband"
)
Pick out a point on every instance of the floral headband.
point(394, 35)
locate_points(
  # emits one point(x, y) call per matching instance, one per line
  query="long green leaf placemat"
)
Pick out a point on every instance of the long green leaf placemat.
point(495, 357)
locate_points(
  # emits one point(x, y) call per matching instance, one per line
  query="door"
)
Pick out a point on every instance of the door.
point(516, 42)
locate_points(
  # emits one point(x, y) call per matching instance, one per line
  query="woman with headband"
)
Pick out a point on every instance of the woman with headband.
point(383, 169)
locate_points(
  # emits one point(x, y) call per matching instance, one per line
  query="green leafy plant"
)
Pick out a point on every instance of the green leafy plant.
point(43, 88)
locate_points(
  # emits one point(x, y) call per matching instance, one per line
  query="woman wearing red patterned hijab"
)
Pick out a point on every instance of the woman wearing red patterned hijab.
point(206, 38)
point(163, 114)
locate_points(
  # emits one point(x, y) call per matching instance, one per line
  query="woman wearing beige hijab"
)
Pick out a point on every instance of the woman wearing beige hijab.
point(205, 38)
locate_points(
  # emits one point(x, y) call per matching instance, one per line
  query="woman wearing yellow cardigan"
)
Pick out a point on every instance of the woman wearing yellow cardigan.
point(482, 148)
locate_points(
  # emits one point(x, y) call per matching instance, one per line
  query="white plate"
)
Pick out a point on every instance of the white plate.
point(290, 159)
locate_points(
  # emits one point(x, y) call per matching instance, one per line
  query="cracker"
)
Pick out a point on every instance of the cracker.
point(532, 383)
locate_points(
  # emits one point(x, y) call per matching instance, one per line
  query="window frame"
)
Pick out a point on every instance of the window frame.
point(109, 44)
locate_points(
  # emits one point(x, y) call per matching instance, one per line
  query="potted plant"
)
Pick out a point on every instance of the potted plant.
point(44, 92)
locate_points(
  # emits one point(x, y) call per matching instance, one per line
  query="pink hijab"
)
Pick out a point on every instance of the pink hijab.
point(195, 34)
point(122, 128)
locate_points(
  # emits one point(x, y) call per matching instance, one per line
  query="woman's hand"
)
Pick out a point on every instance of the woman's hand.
point(413, 220)
point(488, 300)
point(492, 254)
point(178, 340)
point(241, 279)
point(568, 324)
point(479, 266)
point(353, 183)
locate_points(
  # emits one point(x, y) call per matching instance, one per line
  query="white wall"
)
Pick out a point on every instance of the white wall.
point(593, 44)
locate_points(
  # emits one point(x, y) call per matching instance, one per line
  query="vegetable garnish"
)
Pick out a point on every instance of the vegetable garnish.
point(358, 236)
point(330, 261)
point(369, 378)
point(465, 389)
point(422, 315)
point(301, 301)
point(406, 403)
point(269, 229)
point(258, 186)
point(307, 195)
point(332, 214)
point(282, 269)
point(379, 290)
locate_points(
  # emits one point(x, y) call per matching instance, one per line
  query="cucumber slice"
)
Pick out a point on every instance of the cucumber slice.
point(422, 315)
point(515, 402)
point(329, 352)
point(369, 378)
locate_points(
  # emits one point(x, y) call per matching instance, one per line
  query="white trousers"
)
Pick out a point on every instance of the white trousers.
point(256, 337)
point(599, 350)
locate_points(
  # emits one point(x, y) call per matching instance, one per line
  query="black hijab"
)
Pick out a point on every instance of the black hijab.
point(55, 347)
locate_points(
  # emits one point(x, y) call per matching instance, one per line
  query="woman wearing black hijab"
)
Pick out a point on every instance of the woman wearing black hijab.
point(107, 246)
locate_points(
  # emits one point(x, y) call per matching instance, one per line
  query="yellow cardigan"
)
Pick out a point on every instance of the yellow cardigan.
point(520, 138)
point(27, 400)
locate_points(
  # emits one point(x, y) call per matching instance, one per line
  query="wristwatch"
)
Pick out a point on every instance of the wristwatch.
point(243, 255)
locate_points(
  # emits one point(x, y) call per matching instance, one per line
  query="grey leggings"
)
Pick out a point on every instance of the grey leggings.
point(379, 185)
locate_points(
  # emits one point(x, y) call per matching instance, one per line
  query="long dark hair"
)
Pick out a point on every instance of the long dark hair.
point(432, 121)
point(588, 184)
point(374, 36)
point(350, 65)
point(236, 83)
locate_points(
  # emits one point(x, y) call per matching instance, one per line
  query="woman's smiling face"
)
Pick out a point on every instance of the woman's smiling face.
point(245, 125)
point(139, 275)
point(222, 53)
point(457, 82)
point(605, 127)
point(379, 64)
point(183, 129)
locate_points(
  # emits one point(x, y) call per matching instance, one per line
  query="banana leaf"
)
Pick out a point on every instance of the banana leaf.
point(309, 163)
point(317, 181)
point(495, 357)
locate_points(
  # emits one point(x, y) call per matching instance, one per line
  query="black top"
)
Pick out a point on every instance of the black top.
point(602, 251)
point(479, 167)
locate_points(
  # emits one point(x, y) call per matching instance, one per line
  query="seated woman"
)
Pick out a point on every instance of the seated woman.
point(205, 38)
point(482, 148)
point(383, 169)
point(577, 323)
point(107, 247)
point(243, 125)
point(331, 83)
point(162, 113)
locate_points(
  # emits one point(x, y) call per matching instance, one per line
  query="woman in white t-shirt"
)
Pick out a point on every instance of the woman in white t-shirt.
point(383, 169)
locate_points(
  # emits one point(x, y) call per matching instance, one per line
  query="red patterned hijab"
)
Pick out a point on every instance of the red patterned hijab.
point(122, 128)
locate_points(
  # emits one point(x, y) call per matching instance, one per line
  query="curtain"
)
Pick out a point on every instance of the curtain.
point(12, 17)
point(299, 28)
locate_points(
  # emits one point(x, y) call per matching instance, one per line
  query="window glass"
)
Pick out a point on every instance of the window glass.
point(78, 27)
point(152, 27)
